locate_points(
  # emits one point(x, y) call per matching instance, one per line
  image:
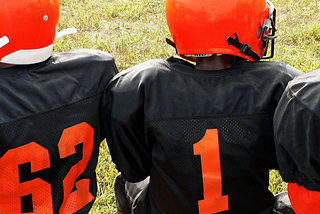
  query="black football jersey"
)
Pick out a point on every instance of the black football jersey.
point(50, 131)
point(297, 131)
point(204, 137)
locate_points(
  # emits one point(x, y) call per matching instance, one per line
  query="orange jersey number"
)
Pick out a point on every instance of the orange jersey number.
point(12, 190)
point(208, 149)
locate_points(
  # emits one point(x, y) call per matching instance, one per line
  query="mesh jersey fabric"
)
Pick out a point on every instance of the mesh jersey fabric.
point(161, 116)
point(50, 132)
point(296, 130)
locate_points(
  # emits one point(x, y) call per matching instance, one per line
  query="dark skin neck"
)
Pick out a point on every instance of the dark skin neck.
point(4, 65)
point(215, 62)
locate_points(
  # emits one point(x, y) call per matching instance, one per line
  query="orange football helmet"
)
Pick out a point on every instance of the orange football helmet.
point(28, 30)
point(235, 27)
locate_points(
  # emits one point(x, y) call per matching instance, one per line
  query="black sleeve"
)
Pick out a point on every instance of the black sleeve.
point(289, 73)
point(126, 135)
point(297, 137)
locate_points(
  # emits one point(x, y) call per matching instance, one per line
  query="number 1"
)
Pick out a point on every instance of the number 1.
point(208, 149)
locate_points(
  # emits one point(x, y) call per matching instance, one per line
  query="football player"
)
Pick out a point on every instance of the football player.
point(49, 117)
point(201, 134)
point(297, 135)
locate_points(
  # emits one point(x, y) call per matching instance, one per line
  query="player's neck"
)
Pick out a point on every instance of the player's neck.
point(215, 62)
point(4, 65)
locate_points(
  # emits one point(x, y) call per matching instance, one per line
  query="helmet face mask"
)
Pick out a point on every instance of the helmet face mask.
point(269, 33)
point(204, 27)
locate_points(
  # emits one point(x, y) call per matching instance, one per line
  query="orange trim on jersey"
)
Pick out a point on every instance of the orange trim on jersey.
point(304, 201)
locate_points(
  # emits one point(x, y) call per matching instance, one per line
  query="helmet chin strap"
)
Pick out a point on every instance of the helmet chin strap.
point(244, 48)
point(5, 40)
point(268, 34)
point(66, 32)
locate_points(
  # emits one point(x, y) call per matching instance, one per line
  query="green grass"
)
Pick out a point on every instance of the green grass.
point(134, 31)
point(299, 33)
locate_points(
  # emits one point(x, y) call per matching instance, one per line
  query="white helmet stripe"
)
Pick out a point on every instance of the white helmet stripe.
point(32, 56)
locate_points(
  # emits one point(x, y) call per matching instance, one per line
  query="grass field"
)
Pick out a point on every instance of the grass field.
point(134, 31)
